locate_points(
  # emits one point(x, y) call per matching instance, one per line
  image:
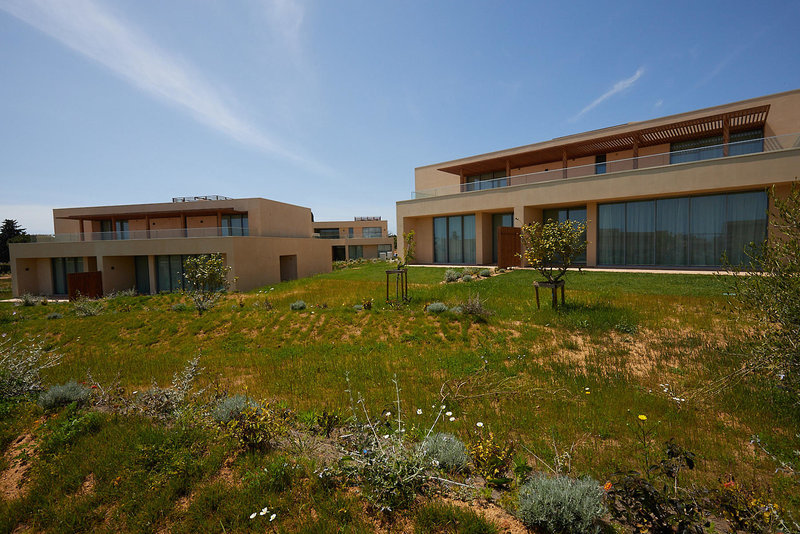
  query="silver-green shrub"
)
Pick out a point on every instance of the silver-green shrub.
point(85, 307)
point(446, 451)
point(54, 315)
point(561, 504)
point(230, 407)
point(63, 394)
point(20, 367)
point(485, 273)
point(466, 278)
point(297, 305)
point(436, 307)
point(451, 275)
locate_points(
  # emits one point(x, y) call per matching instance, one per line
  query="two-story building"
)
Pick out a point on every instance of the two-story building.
point(143, 246)
point(363, 237)
point(677, 191)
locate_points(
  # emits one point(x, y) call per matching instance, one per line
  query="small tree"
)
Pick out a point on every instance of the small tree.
point(768, 289)
point(206, 279)
point(552, 247)
point(9, 230)
point(409, 247)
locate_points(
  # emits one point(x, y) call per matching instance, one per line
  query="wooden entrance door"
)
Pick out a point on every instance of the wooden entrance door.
point(509, 246)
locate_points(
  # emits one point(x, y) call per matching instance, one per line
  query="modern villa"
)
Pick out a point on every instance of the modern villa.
point(363, 237)
point(142, 246)
point(673, 192)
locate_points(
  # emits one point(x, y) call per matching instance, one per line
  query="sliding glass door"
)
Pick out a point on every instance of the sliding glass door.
point(454, 239)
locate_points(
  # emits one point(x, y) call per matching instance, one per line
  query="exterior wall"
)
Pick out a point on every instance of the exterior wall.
point(736, 173)
point(276, 229)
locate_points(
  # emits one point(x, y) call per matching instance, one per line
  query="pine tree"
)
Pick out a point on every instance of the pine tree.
point(9, 230)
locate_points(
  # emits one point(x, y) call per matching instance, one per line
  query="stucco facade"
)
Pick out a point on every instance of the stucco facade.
point(262, 241)
point(704, 157)
point(363, 237)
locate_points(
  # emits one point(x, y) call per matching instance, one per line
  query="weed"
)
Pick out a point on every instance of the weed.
point(491, 459)
point(475, 306)
point(165, 403)
point(68, 427)
point(86, 307)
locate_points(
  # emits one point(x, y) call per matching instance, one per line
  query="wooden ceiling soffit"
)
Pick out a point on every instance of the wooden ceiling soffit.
point(743, 119)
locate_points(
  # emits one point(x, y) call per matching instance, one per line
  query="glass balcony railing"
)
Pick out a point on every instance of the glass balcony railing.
point(705, 153)
point(176, 233)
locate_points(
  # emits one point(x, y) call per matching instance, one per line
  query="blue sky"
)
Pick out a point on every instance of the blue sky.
point(332, 104)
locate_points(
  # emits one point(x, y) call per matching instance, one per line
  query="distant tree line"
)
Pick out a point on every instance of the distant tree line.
point(11, 232)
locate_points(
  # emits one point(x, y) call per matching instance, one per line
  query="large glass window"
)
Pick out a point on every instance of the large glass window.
point(454, 239)
point(600, 164)
point(327, 233)
point(693, 231)
point(123, 229)
point(487, 180)
point(711, 147)
point(142, 275)
point(568, 214)
point(106, 230)
point(371, 231)
point(356, 252)
point(235, 225)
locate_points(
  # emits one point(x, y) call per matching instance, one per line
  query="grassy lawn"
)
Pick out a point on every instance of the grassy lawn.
point(577, 377)
point(5, 287)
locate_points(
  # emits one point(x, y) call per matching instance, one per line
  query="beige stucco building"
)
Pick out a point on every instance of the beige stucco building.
point(363, 237)
point(677, 191)
point(142, 246)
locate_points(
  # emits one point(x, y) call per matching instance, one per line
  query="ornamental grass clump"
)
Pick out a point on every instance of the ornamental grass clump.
point(297, 305)
point(64, 394)
point(446, 452)
point(561, 504)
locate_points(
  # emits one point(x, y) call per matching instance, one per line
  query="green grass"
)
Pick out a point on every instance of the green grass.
point(524, 372)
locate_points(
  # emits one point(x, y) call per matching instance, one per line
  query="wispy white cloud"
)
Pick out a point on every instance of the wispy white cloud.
point(618, 87)
point(93, 31)
point(285, 18)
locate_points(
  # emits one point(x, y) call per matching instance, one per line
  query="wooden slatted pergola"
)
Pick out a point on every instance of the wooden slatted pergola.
point(632, 139)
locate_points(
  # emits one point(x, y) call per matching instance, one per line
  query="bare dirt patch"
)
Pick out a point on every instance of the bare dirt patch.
point(506, 523)
point(18, 458)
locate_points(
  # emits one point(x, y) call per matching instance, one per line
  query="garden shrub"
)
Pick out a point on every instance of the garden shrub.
point(436, 307)
point(474, 306)
point(229, 407)
point(54, 315)
point(466, 278)
point(458, 310)
point(61, 395)
point(164, 403)
point(392, 479)
point(491, 459)
point(561, 504)
point(206, 279)
point(444, 518)
point(297, 305)
point(180, 307)
point(485, 273)
point(86, 307)
point(29, 300)
point(447, 451)
point(256, 427)
point(20, 366)
point(451, 275)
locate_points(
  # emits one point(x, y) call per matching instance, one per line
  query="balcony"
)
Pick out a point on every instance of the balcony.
point(705, 153)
